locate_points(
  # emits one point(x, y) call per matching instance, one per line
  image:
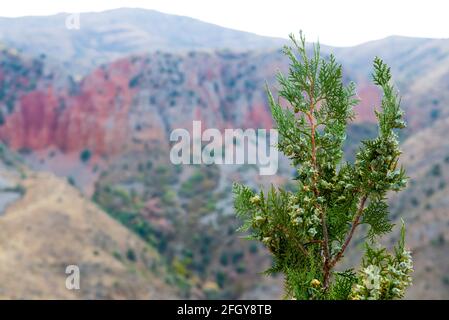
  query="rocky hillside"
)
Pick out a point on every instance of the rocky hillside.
point(108, 135)
point(420, 68)
point(425, 202)
point(46, 225)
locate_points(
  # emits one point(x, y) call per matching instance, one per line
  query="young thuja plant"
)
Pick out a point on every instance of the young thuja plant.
point(309, 231)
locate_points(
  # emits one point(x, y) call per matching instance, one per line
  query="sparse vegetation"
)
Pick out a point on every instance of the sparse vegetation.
point(131, 255)
point(85, 155)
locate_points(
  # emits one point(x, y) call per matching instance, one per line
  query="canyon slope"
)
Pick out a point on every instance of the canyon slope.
point(46, 225)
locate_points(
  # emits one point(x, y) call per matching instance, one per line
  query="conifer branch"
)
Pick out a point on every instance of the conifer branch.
point(303, 229)
point(299, 244)
point(354, 225)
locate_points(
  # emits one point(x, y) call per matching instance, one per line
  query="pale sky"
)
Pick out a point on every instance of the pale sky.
point(338, 22)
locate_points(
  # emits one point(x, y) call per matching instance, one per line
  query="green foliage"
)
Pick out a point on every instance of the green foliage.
point(221, 278)
point(118, 203)
point(16, 189)
point(309, 230)
point(85, 155)
point(436, 170)
point(376, 216)
point(131, 255)
point(71, 181)
point(384, 275)
point(134, 82)
point(342, 288)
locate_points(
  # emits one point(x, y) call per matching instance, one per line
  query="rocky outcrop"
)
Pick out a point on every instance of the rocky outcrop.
point(138, 100)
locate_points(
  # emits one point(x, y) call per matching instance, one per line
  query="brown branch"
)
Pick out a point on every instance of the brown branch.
point(325, 244)
point(314, 242)
point(355, 223)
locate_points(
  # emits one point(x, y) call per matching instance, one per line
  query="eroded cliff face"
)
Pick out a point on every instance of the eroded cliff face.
point(126, 110)
point(93, 115)
point(137, 101)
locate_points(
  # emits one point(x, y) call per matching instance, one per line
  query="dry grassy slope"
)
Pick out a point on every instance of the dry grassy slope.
point(53, 226)
point(424, 206)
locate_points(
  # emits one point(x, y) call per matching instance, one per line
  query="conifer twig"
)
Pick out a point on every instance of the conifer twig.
point(355, 223)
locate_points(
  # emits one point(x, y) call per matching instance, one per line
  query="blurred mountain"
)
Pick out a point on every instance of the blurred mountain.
point(105, 36)
point(425, 204)
point(420, 68)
